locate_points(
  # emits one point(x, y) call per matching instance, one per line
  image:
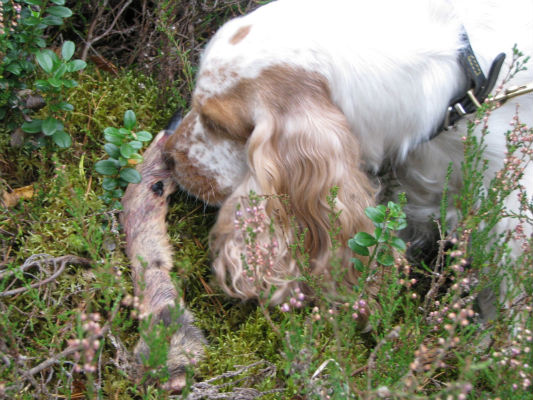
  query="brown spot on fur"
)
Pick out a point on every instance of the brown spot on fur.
point(228, 116)
point(240, 34)
point(186, 170)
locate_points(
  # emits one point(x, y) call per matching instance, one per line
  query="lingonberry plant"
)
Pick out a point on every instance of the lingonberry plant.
point(122, 147)
point(387, 219)
point(22, 36)
point(54, 88)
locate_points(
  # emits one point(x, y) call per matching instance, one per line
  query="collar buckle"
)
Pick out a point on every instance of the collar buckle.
point(478, 90)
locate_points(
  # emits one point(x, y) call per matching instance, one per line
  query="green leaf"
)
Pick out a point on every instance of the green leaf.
point(76, 65)
point(129, 120)
point(365, 239)
point(386, 259)
point(116, 205)
point(116, 140)
point(32, 126)
point(65, 106)
point(106, 167)
point(358, 264)
point(117, 193)
point(59, 11)
point(109, 183)
point(399, 225)
point(51, 125)
point(67, 51)
point(398, 243)
point(45, 60)
point(42, 85)
point(106, 198)
point(137, 157)
point(111, 131)
point(135, 145)
point(14, 68)
point(382, 235)
point(363, 251)
point(143, 136)
point(126, 150)
point(70, 83)
point(54, 82)
point(31, 21)
point(34, 2)
point(40, 42)
point(130, 175)
point(112, 150)
point(62, 139)
point(59, 2)
point(60, 71)
point(375, 214)
point(52, 20)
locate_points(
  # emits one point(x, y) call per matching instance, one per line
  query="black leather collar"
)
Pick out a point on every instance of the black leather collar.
point(479, 86)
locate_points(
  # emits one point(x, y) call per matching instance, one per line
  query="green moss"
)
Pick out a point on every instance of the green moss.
point(101, 99)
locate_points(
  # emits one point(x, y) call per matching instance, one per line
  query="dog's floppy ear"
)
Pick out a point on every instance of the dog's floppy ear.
point(296, 156)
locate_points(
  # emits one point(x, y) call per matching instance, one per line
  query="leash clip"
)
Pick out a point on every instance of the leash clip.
point(513, 91)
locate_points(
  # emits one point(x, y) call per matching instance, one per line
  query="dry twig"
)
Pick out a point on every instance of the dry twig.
point(37, 260)
point(208, 390)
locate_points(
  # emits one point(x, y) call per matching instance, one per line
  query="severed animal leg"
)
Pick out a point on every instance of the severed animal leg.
point(147, 246)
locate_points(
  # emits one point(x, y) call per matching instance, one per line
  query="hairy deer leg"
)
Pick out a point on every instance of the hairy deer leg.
point(147, 246)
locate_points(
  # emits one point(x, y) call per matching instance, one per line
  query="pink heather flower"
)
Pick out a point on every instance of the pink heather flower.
point(285, 307)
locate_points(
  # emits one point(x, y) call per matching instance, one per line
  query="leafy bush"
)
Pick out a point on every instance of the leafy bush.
point(54, 87)
point(122, 147)
point(22, 36)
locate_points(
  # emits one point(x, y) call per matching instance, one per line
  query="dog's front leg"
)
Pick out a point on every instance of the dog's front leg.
point(145, 208)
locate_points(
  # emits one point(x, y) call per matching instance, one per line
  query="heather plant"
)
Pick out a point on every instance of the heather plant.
point(426, 339)
point(259, 258)
point(424, 343)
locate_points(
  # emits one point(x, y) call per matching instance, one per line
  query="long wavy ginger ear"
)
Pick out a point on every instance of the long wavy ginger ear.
point(295, 159)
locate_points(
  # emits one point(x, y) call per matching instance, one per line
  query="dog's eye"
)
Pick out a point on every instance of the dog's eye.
point(213, 126)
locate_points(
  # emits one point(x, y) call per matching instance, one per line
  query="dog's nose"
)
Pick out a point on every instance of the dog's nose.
point(174, 122)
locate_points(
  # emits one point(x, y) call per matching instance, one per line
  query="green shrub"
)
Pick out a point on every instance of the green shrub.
point(122, 147)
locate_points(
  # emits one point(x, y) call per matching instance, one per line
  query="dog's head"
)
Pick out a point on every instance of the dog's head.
point(271, 129)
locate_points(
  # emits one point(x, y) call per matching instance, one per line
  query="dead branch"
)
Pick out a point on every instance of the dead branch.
point(438, 278)
point(91, 39)
point(208, 390)
point(37, 260)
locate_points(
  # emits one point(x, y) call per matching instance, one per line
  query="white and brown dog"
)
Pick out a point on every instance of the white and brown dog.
point(301, 96)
